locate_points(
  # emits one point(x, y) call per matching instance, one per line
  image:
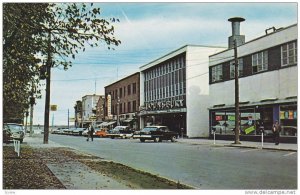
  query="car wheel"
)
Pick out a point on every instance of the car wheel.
point(156, 139)
point(21, 140)
point(173, 138)
point(142, 140)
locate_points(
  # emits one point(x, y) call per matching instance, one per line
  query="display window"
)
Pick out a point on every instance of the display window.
point(254, 121)
point(288, 120)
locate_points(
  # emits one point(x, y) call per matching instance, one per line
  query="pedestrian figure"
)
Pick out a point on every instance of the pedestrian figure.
point(90, 133)
point(276, 131)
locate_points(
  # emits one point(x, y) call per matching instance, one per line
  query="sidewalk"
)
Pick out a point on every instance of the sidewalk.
point(244, 144)
point(72, 173)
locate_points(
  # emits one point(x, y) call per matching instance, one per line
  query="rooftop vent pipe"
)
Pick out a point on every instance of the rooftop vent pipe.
point(240, 39)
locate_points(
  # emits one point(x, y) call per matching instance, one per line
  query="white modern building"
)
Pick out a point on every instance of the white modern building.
point(175, 90)
point(268, 82)
point(89, 107)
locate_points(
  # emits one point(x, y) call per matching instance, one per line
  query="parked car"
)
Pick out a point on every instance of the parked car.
point(155, 133)
point(77, 131)
point(101, 132)
point(14, 131)
point(85, 132)
point(120, 132)
point(67, 131)
point(289, 130)
point(56, 131)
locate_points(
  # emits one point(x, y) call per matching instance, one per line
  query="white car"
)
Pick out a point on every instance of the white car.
point(120, 132)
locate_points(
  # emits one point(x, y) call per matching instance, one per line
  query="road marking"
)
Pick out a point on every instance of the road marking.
point(289, 154)
point(249, 150)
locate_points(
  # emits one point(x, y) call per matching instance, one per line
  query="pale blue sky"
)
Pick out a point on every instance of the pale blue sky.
point(149, 31)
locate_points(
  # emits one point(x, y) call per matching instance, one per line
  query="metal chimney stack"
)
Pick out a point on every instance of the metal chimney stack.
point(240, 39)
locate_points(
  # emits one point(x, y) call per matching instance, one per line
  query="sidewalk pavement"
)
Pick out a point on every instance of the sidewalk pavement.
point(72, 173)
point(244, 144)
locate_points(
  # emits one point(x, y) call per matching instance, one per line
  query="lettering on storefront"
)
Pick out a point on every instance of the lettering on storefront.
point(165, 105)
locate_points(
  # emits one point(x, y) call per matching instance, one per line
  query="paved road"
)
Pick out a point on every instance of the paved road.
point(201, 166)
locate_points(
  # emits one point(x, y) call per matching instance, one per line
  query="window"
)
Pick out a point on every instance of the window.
point(289, 54)
point(134, 106)
point(240, 67)
point(129, 89)
point(129, 107)
point(134, 88)
point(121, 92)
point(260, 61)
point(217, 73)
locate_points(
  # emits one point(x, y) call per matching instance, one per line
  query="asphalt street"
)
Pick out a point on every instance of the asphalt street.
point(201, 166)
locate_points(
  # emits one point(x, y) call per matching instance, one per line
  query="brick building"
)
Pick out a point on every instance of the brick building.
point(122, 100)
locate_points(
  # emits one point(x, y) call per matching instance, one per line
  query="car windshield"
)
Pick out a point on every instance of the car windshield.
point(15, 128)
point(150, 129)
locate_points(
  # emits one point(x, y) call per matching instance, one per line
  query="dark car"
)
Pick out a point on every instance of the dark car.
point(13, 131)
point(155, 133)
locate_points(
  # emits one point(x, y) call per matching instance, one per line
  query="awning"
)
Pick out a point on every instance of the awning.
point(128, 120)
point(268, 101)
point(102, 124)
point(110, 123)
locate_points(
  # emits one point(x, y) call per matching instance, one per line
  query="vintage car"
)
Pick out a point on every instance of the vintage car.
point(101, 132)
point(155, 133)
point(120, 132)
point(13, 131)
point(77, 131)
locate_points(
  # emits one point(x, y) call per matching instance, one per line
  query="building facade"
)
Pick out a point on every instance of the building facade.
point(100, 115)
point(175, 91)
point(268, 78)
point(78, 113)
point(89, 107)
point(122, 100)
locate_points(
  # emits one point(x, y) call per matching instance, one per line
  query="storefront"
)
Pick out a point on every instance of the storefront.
point(175, 119)
point(255, 119)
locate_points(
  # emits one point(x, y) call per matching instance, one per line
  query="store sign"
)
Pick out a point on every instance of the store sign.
point(108, 105)
point(165, 105)
point(53, 107)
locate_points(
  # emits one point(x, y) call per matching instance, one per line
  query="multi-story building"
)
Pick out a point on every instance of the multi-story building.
point(123, 100)
point(78, 114)
point(268, 75)
point(100, 109)
point(175, 90)
point(89, 104)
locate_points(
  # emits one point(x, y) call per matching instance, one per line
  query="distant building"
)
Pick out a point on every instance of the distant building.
point(268, 76)
point(100, 114)
point(89, 104)
point(175, 91)
point(122, 100)
point(78, 113)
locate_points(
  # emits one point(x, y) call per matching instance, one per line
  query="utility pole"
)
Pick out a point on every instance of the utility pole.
point(237, 40)
point(47, 100)
point(237, 105)
point(32, 102)
point(68, 119)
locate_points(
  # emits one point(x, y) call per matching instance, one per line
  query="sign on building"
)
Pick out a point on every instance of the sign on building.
point(53, 107)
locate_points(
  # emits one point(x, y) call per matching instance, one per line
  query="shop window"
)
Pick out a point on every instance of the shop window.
point(217, 73)
point(288, 120)
point(289, 54)
point(260, 61)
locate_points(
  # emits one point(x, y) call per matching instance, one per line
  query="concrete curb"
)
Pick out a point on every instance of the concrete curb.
point(238, 146)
